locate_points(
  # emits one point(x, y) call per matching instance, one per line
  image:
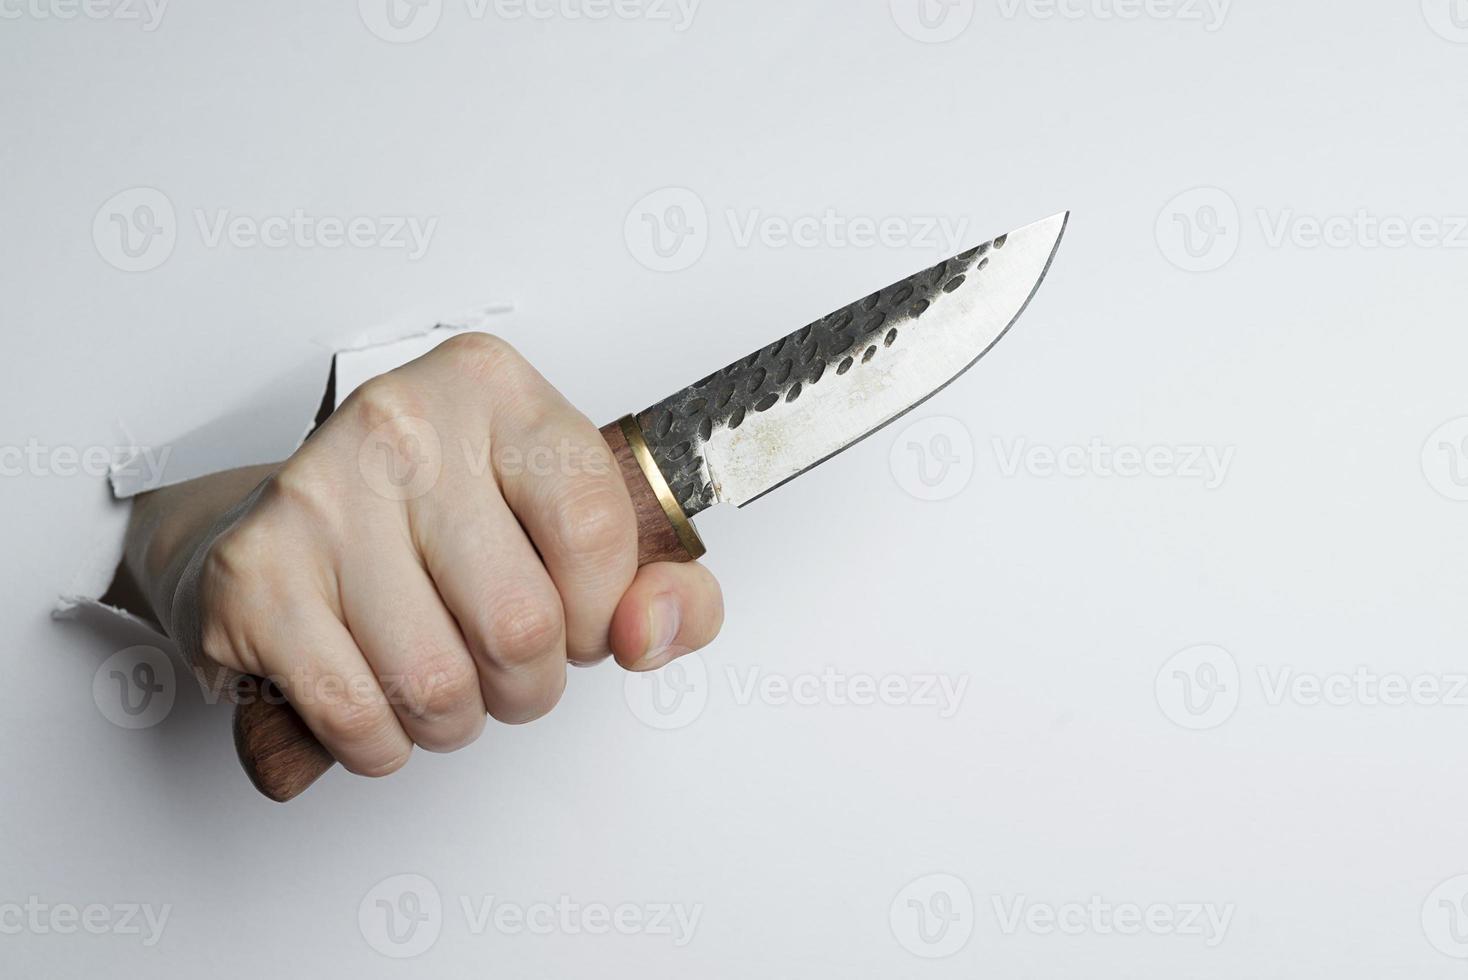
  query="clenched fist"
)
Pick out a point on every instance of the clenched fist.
point(438, 550)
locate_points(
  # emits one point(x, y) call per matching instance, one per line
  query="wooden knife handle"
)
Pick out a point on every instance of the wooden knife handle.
point(281, 755)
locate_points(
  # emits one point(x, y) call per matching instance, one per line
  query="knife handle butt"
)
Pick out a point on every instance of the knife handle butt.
point(281, 755)
point(276, 749)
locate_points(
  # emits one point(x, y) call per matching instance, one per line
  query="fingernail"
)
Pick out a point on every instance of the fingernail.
point(667, 617)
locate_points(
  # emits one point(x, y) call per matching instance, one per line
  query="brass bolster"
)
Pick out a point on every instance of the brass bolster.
point(682, 526)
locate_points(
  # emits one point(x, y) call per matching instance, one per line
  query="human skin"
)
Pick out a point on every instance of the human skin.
point(437, 551)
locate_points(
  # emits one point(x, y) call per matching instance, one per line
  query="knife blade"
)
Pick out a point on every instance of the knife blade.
point(765, 419)
point(758, 423)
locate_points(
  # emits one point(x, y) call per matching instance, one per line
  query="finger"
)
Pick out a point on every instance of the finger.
point(670, 610)
point(564, 487)
point(414, 646)
point(505, 603)
point(553, 470)
point(315, 661)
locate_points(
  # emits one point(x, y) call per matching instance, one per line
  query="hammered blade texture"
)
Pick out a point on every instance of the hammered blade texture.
point(677, 428)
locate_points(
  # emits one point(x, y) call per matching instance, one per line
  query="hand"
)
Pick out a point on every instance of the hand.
point(439, 549)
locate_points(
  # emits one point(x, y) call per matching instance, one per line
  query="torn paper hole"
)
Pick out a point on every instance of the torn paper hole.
point(266, 428)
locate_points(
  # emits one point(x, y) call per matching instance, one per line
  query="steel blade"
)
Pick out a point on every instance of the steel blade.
point(765, 419)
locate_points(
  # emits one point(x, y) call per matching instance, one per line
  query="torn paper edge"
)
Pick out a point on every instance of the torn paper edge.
point(265, 428)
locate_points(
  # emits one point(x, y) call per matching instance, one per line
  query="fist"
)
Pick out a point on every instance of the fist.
point(439, 550)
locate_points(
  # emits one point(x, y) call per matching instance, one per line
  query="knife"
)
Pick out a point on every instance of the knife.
point(759, 423)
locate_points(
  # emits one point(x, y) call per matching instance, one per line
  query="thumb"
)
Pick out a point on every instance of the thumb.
point(668, 611)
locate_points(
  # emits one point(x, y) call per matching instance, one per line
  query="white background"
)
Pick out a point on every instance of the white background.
point(795, 830)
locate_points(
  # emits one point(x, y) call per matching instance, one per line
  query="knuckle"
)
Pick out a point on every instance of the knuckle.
point(530, 706)
point(441, 688)
point(521, 630)
point(236, 566)
point(450, 735)
point(377, 769)
point(384, 400)
point(217, 646)
point(595, 519)
point(351, 722)
point(239, 552)
point(485, 357)
point(233, 585)
point(444, 742)
point(300, 487)
point(475, 343)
